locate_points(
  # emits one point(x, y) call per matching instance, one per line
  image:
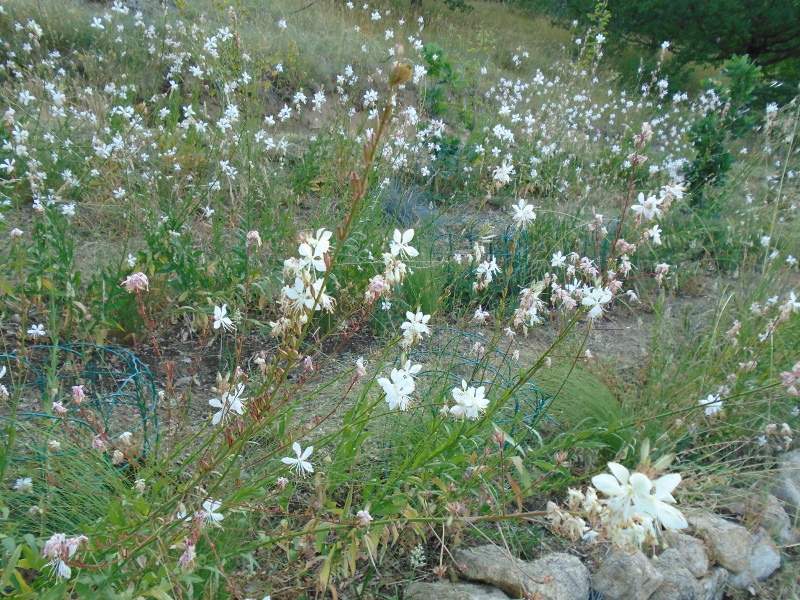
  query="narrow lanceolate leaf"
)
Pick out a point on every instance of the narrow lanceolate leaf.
point(517, 491)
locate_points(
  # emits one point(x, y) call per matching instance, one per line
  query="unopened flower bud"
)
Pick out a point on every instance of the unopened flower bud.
point(400, 74)
point(78, 396)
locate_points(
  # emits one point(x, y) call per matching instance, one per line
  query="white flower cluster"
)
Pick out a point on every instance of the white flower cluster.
point(634, 513)
point(400, 385)
point(414, 328)
point(470, 402)
point(785, 310)
point(230, 403)
point(395, 269)
point(306, 294)
point(584, 282)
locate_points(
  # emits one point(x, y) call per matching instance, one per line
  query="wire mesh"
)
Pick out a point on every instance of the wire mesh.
point(120, 398)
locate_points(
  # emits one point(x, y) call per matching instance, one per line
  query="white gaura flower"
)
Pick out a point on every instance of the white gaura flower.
point(399, 387)
point(400, 244)
point(300, 464)
point(229, 403)
point(595, 300)
point(558, 260)
point(502, 174)
point(312, 256)
point(524, 214)
point(713, 404)
point(410, 369)
point(303, 296)
point(635, 493)
point(655, 234)
point(221, 319)
point(210, 507)
point(649, 208)
point(37, 331)
point(24, 484)
point(480, 315)
point(470, 401)
point(59, 549)
point(313, 249)
point(417, 324)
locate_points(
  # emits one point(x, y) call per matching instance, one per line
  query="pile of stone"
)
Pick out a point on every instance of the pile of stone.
point(700, 563)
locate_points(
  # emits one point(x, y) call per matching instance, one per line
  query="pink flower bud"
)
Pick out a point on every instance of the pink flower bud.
point(78, 396)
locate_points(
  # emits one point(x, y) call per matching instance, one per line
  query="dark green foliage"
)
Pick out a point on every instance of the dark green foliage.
point(458, 5)
point(700, 31)
point(712, 160)
point(449, 80)
point(729, 118)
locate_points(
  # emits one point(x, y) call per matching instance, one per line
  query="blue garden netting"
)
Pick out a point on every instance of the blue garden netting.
point(120, 397)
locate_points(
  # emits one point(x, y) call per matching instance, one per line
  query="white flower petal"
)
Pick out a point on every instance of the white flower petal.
point(640, 484)
point(671, 517)
point(664, 486)
point(608, 484)
point(621, 473)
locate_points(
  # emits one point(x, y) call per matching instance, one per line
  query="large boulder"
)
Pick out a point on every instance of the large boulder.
point(728, 544)
point(764, 560)
point(766, 511)
point(564, 577)
point(678, 584)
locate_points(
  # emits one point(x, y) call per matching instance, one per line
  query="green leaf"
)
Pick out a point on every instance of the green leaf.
point(10, 567)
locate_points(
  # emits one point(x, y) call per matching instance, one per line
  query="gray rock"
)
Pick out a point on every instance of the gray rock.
point(728, 544)
point(748, 556)
point(452, 591)
point(678, 584)
point(570, 578)
point(765, 559)
point(554, 577)
point(787, 489)
point(492, 565)
point(690, 551)
point(776, 521)
point(712, 586)
point(766, 511)
point(627, 576)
